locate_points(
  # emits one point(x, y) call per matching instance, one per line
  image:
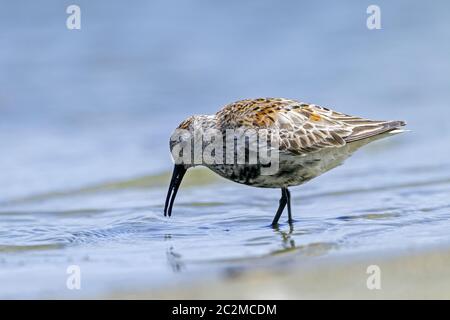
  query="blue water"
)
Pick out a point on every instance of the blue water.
point(85, 117)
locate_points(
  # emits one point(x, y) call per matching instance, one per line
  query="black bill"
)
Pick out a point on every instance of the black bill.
point(177, 176)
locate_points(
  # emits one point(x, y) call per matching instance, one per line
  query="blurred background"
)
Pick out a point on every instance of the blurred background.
point(85, 117)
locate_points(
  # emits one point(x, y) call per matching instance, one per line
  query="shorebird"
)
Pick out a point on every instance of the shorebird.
point(310, 140)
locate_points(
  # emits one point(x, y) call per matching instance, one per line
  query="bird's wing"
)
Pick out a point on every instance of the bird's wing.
point(301, 127)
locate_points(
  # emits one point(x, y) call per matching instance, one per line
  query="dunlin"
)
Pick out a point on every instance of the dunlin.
point(309, 139)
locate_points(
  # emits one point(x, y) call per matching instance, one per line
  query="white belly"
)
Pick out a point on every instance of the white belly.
point(293, 169)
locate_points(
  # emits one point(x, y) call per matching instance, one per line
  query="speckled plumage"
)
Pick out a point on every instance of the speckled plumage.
point(311, 139)
point(302, 127)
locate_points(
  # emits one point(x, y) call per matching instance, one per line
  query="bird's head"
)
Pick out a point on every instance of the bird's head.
point(183, 148)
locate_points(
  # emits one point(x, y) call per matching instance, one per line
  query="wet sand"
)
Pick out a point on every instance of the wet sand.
point(415, 275)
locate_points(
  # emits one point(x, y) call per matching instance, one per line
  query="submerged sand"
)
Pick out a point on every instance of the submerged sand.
point(416, 274)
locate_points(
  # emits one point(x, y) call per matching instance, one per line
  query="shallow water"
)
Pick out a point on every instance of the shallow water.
point(86, 116)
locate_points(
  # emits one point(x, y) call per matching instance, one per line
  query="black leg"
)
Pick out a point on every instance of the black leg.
point(288, 195)
point(283, 202)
